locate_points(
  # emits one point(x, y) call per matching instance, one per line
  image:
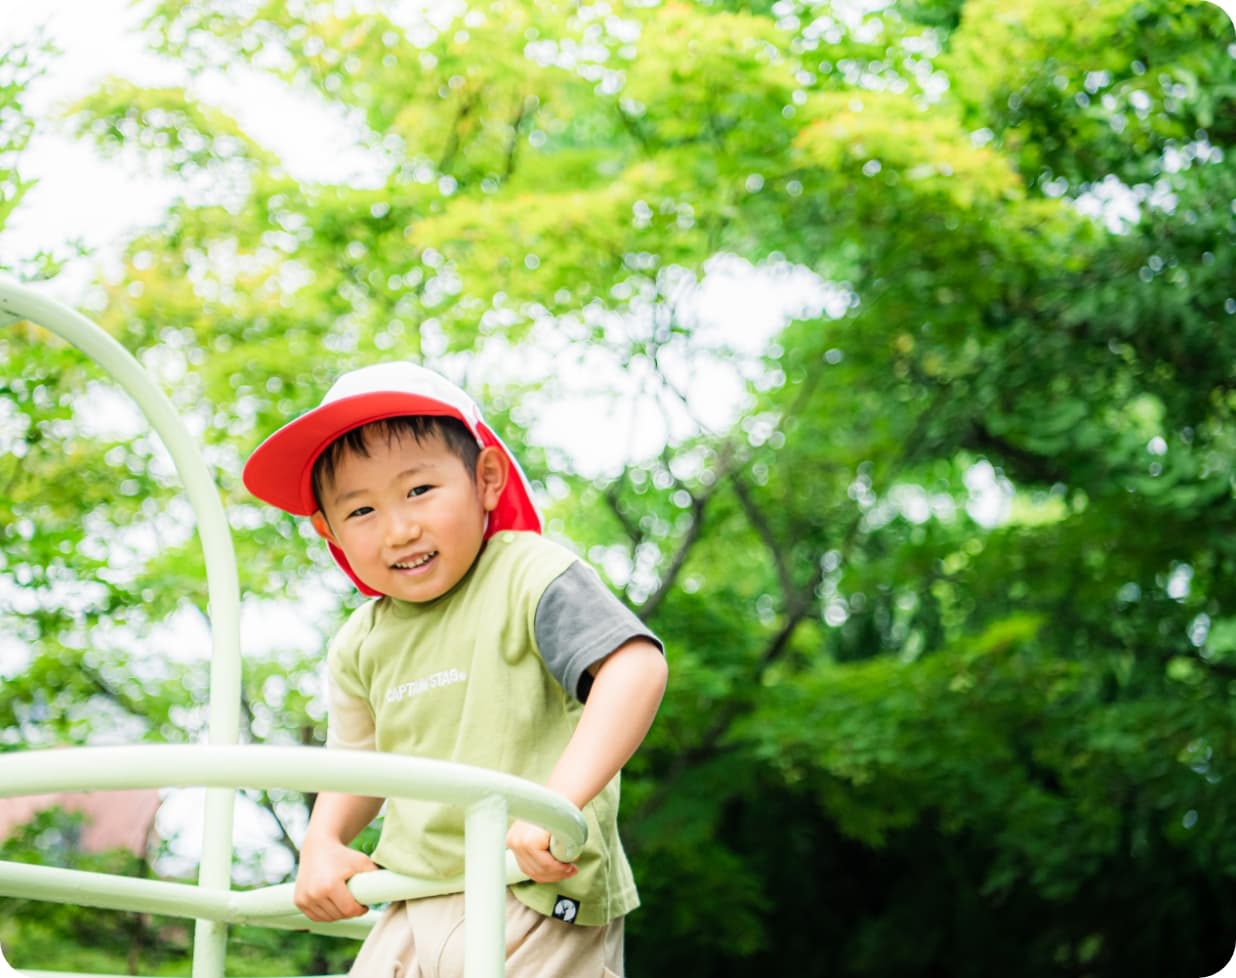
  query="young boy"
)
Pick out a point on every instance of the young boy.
point(486, 644)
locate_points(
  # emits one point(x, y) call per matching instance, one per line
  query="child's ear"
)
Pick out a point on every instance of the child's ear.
point(322, 528)
point(492, 471)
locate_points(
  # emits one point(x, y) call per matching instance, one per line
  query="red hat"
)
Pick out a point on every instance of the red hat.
point(280, 471)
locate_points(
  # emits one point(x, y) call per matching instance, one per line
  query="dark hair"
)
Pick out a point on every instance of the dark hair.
point(459, 441)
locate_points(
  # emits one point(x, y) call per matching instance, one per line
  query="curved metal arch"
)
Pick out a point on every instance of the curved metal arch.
point(18, 302)
point(223, 767)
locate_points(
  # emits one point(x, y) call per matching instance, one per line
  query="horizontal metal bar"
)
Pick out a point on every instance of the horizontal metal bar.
point(382, 886)
point(112, 892)
point(108, 891)
point(310, 769)
point(293, 768)
point(267, 906)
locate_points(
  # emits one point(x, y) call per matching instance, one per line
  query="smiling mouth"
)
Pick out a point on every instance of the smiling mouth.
point(418, 562)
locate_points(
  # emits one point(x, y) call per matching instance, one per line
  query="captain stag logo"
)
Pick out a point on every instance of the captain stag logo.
point(448, 677)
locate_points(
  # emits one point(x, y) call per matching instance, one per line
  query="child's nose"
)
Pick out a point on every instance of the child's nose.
point(402, 528)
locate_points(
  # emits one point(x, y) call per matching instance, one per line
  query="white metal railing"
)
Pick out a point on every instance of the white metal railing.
point(222, 767)
point(487, 796)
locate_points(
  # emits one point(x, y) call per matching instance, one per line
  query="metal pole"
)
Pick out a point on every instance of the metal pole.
point(223, 589)
point(485, 888)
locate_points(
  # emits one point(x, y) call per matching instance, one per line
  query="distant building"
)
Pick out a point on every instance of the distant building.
point(110, 819)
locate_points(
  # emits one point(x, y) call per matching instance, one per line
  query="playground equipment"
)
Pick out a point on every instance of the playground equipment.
point(222, 767)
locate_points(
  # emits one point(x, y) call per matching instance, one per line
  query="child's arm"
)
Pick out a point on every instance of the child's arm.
point(626, 691)
point(326, 862)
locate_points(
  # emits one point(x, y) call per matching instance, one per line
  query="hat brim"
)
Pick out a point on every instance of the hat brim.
point(280, 470)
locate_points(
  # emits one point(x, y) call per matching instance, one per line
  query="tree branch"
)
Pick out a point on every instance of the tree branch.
point(527, 108)
point(631, 125)
point(629, 526)
point(1037, 467)
point(650, 605)
point(699, 502)
point(765, 532)
point(466, 105)
point(267, 803)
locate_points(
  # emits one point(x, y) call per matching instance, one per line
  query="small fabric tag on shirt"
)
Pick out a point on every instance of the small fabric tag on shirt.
point(566, 909)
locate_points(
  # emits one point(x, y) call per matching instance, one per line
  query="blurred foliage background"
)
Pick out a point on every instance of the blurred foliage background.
point(949, 603)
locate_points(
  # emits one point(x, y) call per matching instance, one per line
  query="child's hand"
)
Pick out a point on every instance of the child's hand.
point(325, 866)
point(530, 844)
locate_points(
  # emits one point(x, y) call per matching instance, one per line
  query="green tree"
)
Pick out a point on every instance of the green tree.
point(948, 606)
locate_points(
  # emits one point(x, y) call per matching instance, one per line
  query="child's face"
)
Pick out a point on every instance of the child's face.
point(409, 517)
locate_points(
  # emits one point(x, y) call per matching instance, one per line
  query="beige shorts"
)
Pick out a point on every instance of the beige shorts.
point(424, 939)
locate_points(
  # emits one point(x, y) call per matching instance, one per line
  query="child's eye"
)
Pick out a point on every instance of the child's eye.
point(418, 490)
point(360, 511)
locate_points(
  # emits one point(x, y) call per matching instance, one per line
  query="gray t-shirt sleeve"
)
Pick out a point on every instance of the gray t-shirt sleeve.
point(578, 623)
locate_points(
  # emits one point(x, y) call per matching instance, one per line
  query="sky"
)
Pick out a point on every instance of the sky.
point(80, 193)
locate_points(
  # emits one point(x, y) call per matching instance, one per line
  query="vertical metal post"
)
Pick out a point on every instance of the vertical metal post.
point(223, 588)
point(485, 888)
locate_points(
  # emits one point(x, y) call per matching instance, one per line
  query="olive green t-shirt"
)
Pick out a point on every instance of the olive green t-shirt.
point(464, 678)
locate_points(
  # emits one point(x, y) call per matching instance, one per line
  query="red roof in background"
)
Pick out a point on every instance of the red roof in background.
point(111, 819)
